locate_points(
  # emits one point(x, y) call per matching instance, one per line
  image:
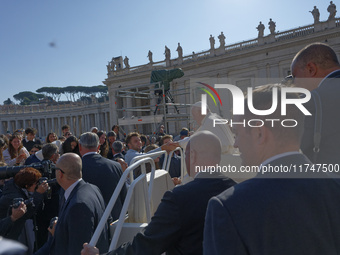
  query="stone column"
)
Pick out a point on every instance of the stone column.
point(96, 120)
point(71, 124)
point(52, 124)
point(59, 125)
point(82, 124)
point(46, 127)
point(39, 128)
point(77, 125)
point(87, 123)
point(3, 131)
point(106, 123)
point(113, 107)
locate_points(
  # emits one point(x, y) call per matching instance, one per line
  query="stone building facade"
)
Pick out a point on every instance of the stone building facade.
point(260, 61)
point(133, 103)
point(51, 118)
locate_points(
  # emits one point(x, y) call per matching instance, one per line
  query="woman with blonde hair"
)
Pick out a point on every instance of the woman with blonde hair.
point(16, 153)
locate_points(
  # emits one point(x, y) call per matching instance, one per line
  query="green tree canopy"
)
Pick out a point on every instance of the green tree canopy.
point(8, 102)
point(26, 97)
point(53, 92)
point(74, 93)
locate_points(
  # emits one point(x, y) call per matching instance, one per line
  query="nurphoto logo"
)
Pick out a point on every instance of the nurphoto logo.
point(238, 104)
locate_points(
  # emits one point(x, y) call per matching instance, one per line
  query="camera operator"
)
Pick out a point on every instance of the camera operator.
point(24, 186)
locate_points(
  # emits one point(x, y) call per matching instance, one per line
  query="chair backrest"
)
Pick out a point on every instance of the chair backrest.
point(183, 169)
point(146, 191)
point(185, 178)
point(161, 183)
point(142, 199)
point(149, 155)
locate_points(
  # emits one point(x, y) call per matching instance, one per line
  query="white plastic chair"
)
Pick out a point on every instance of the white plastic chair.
point(146, 190)
point(143, 185)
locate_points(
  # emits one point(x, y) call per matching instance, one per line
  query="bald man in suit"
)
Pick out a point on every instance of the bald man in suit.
point(81, 208)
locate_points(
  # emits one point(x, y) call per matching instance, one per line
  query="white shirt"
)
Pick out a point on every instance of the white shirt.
point(69, 189)
point(28, 140)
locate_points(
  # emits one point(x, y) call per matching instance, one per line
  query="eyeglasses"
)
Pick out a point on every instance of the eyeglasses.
point(57, 168)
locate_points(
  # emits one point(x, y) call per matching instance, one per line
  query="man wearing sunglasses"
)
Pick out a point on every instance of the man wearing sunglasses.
point(81, 208)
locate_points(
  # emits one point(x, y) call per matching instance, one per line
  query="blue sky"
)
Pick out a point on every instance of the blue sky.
point(87, 34)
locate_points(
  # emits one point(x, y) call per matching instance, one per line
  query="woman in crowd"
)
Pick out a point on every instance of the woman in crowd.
point(71, 144)
point(104, 145)
point(5, 138)
point(2, 148)
point(51, 137)
point(24, 186)
point(16, 153)
point(111, 138)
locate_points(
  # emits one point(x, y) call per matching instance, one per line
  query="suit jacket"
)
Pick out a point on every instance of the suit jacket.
point(32, 159)
point(105, 174)
point(78, 220)
point(328, 90)
point(117, 156)
point(175, 165)
point(177, 226)
point(275, 216)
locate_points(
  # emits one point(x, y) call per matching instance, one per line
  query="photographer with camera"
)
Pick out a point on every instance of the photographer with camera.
point(23, 189)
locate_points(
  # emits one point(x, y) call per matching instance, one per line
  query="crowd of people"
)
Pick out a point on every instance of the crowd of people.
point(293, 212)
point(101, 159)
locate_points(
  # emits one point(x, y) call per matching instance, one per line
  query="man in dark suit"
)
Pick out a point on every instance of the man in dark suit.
point(316, 68)
point(117, 148)
point(177, 226)
point(277, 212)
point(81, 208)
point(100, 171)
